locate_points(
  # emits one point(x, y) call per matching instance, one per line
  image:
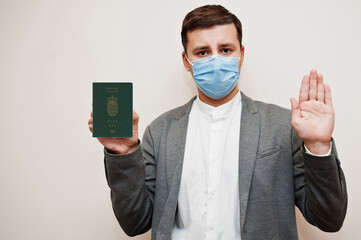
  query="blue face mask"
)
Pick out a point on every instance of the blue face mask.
point(215, 75)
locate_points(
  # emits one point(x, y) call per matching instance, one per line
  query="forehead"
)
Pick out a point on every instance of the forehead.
point(213, 36)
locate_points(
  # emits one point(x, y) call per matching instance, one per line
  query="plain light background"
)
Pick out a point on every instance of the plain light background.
point(52, 180)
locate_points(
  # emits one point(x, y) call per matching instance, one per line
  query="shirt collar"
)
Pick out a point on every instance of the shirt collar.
point(221, 111)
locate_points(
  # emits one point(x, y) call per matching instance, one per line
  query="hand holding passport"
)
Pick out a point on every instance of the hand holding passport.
point(113, 120)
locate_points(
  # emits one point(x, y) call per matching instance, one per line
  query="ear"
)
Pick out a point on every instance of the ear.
point(242, 57)
point(186, 64)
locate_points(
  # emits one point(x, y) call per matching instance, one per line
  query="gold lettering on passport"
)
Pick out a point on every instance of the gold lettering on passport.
point(112, 123)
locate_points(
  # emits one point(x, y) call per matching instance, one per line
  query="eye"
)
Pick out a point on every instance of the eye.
point(225, 51)
point(202, 53)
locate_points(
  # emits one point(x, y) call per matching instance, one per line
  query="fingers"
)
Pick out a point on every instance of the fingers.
point(135, 118)
point(313, 85)
point(320, 88)
point(328, 97)
point(90, 124)
point(90, 121)
point(304, 89)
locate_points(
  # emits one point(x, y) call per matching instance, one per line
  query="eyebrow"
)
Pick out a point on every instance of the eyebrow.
point(227, 45)
point(196, 49)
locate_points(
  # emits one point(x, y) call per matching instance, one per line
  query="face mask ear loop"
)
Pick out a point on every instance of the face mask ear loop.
point(239, 57)
point(188, 59)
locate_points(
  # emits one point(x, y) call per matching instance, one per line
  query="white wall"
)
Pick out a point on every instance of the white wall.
point(52, 179)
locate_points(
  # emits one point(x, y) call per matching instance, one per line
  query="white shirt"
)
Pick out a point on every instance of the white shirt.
point(208, 201)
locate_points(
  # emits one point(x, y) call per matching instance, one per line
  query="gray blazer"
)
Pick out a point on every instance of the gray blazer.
point(275, 174)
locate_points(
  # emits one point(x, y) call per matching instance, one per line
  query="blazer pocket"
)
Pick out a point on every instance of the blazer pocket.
point(268, 151)
point(263, 199)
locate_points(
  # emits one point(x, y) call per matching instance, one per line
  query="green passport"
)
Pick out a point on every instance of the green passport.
point(112, 109)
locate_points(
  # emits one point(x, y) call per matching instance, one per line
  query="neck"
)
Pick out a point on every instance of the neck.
point(218, 102)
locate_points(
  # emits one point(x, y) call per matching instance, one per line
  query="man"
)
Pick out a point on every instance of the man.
point(224, 166)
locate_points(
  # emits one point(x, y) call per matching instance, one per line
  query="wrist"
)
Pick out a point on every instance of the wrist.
point(127, 149)
point(132, 149)
point(318, 148)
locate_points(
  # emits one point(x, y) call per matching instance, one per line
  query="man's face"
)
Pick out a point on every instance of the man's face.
point(219, 39)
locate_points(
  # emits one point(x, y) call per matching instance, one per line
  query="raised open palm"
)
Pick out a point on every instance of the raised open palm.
point(313, 115)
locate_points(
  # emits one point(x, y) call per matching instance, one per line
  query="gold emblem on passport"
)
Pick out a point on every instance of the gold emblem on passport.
point(112, 106)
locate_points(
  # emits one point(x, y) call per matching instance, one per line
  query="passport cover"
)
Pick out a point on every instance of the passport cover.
point(112, 109)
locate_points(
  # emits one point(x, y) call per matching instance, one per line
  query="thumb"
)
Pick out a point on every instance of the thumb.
point(135, 117)
point(295, 109)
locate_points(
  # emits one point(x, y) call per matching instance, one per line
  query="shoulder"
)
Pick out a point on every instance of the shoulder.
point(159, 128)
point(266, 110)
point(270, 115)
point(274, 122)
point(273, 111)
point(166, 118)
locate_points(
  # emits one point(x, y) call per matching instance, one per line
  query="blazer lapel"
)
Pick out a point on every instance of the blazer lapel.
point(176, 140)
point(248, 145)
point(175, 148)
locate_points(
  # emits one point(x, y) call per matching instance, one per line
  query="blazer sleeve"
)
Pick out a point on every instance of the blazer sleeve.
point(131, 178)
point(320, 187)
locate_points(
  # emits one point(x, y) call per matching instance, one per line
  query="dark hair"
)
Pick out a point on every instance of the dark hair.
point(209, 16)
